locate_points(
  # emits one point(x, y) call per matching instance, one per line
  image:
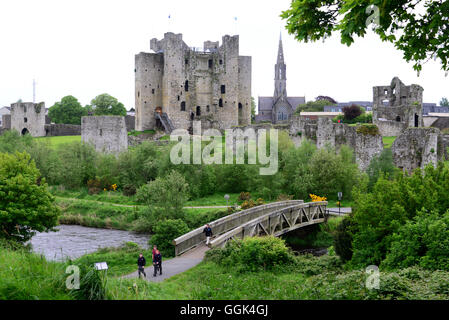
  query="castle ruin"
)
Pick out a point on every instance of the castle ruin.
point(28, 117)
point(397, 107)
point(107, 133)
point(177, 85)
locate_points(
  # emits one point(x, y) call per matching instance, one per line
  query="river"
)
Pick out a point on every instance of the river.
point(71, 241)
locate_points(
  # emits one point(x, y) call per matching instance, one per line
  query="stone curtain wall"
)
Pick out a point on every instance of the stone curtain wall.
point(390, 128)
point(6, 121)
point(417, 147)
point(324, 132)
point(107, 133)
point(62, 130)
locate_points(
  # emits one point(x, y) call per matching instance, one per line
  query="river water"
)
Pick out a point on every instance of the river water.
point(75, 241)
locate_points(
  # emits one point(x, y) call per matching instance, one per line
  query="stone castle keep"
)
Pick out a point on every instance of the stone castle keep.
point(177, 84)
point(397, 107)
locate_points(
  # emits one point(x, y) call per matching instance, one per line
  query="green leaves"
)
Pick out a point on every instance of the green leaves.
point(25, 207)
point(423, 35)
point(104, 104)
point(68, 111)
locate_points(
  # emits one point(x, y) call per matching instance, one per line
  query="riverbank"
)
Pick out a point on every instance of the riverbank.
point(28, 276)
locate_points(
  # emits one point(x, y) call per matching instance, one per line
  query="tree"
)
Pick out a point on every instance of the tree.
point(312, 106)
point(417, 28)
point(104, 104)
point(444, 102)
point(26, 206)
point(169, 193)
point(352, 112)
point(253, 109)
point(68, 111)
point(326, 98)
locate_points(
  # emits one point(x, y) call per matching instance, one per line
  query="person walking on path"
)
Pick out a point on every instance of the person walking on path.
point(208, 232)
point(141, 262)
point(154, 251)
point(157, 262)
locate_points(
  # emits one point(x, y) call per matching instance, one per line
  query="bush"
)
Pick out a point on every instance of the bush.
point(254, 254)
point(343, 240)
point(352, 112)
point(165, 232)
point(129, 190)
point(94, 186)
point(284, 197)
point(244, 196)
point(92, 286)
point(424, 241)
point(368, 129)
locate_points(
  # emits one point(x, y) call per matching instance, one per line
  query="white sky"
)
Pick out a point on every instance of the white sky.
point(85, 48)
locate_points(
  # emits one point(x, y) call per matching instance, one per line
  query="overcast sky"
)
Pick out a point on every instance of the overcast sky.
point(85, 48)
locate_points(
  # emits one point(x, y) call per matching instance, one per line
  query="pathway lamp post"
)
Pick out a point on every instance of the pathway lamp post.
point(340, 195)
point(227, 199)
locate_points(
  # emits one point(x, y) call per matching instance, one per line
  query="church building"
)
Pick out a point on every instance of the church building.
point(280, 107)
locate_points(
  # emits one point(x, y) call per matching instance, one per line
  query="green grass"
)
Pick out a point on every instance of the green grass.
point(26, 276)
point(216, 199)
point(97, 215)
point(388, 141)
point(121, 261)
point(55, 142)
point(105, 196)
point(137, 133)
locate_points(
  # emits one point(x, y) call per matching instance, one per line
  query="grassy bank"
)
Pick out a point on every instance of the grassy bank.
point(25, 276)
point(55, 142)
point(388, 141)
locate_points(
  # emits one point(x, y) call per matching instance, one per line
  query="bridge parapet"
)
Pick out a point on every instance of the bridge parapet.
point(225, 224)
point(277, 222)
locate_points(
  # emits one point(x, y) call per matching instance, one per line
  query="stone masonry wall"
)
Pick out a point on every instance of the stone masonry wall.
point(28, 117)
point(107, 133)
point(417, 147)
point(62, 129)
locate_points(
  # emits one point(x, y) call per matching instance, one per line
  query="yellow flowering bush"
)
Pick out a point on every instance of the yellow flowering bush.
point(316, 198)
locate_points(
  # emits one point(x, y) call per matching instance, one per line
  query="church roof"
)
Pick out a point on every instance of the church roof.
point(267, 103)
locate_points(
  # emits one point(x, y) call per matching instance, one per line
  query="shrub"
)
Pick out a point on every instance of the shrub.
point(92, 285)
point(94, 186)
point(423, 241)
point(165, 232)
point(169, 193)
point(254, 254)
point(368, 129)
point(284, 197)
point(129, 190)
point(352, 112)
point(244, 196)
point(343, 240)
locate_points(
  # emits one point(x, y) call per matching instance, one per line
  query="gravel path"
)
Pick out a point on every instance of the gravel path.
point(174, 266)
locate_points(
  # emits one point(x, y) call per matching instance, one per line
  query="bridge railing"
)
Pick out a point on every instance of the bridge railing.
point(277, 222)
point(225, 224)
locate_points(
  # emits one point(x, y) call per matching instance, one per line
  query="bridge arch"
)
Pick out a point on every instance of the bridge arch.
point(274, 218)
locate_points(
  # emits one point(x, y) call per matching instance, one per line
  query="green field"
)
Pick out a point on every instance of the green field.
point(60, 140)
point(388, 141)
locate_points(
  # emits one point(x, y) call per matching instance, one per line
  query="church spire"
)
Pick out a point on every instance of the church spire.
point(280, 78)
point(280, 50)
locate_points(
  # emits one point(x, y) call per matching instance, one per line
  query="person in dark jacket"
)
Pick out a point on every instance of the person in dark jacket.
point(157, 262)
point(141, 262)
point(208, 232)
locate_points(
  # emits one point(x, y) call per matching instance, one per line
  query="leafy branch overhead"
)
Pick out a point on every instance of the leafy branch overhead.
point(419, 28)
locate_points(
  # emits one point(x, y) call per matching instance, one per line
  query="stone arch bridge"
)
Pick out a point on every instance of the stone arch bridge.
point(274, 219)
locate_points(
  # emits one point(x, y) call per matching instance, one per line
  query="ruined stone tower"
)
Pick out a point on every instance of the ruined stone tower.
point(397, 107)
point(178, 84)
point(28, 117)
